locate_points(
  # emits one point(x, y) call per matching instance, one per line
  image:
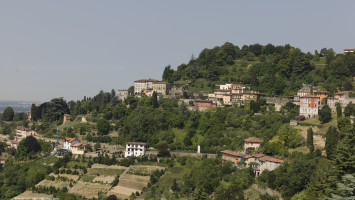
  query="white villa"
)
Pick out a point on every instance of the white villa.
point(135, 149)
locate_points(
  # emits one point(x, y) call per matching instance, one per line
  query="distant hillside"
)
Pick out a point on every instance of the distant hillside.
point(272, 70)
point(18, 106)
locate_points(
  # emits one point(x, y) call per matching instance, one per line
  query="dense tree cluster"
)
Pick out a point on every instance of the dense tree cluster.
point(50, 111)
point(270, 69)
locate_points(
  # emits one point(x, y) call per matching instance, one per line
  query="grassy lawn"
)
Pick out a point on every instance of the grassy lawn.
point(87, 178)
point(314, 121)
point(71, 164)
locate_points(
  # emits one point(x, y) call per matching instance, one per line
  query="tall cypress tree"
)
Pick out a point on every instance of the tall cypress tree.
point(339, 111)
point(155, 103)
point(310, 140)
point(331, 141)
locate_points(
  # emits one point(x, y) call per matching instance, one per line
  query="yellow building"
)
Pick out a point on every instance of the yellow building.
point(321, 94)
point(77, 149)
point(160, 87)
point(251, 96)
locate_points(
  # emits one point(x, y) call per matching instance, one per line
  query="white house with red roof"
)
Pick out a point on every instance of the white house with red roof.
point(135, 149)
point(252, 143)
point(68, 142)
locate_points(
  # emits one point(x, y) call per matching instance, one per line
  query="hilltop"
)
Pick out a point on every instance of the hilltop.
point(269, 69)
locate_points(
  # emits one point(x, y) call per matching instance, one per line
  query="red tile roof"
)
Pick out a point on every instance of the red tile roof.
point(259, 155)
point(342, 92)
point(253, 140)
point(76, 144)
point(270, 159)
point(139, 143)
point(233, 153)
point(68, 139)
point(305, 90)
point(145, 80)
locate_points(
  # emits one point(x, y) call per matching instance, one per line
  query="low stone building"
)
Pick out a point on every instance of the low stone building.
point(23, 132)
point(234, 156)
point(252, 143)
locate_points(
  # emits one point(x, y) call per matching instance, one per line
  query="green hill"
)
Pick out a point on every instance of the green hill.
point(272, 70)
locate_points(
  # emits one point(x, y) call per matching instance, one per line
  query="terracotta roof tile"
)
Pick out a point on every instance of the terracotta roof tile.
point(233, 153)
point(342, 92)
point(253, 139)
point(259, 155)
point(271, 159)
point(139, 143)
point(76, 144)
point(68, 139)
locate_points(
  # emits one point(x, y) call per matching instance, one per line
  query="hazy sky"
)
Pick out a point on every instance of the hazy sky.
point(73, 49)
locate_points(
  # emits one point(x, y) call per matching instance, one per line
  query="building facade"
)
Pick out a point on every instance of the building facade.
point(231, 94)
point(252, 143)
point(234, 156)
point(68, 142)
point(148, 86)
point(204, 103)
point(122, 94)
point(309, 105)
point(66, 118)
point(135, 149)
point(23, 132)
point(77, 149)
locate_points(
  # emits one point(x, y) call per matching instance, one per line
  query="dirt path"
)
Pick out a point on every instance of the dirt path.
point(125, 172)
point(318, 140)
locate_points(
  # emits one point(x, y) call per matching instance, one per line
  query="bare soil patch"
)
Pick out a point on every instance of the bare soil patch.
point(104, 179)
point(89, 190)
point(318, 141)
point(107, 166)
point(31, 195)
point(135, 178)
point(121, 192)
point(134, 181)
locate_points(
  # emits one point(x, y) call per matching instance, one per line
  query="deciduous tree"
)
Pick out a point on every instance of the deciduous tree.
point(8, 114)
point(325, 114)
